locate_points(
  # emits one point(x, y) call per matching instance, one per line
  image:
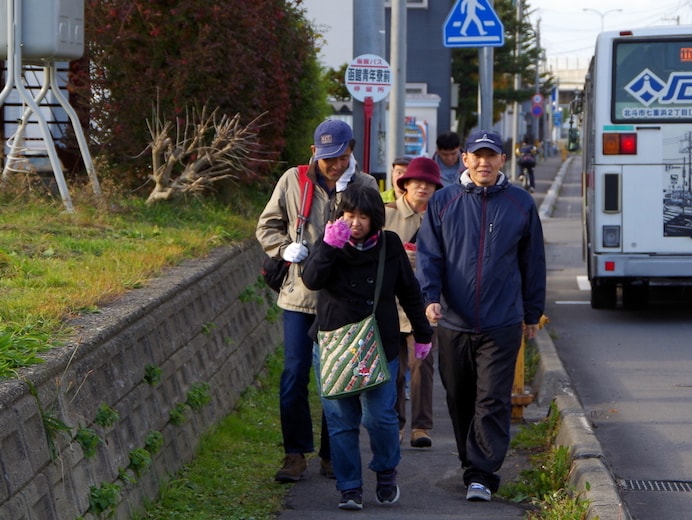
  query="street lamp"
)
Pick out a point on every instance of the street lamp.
point(602, 15)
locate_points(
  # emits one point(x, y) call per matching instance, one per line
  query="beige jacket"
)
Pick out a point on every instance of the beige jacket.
point(276, 227)
point(400, 218)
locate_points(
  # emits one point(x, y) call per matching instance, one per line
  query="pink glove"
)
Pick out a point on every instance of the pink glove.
point(337, 234)
point(422, 349)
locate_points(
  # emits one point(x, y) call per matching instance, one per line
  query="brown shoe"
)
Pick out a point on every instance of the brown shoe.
point(326, 468)
point(420, 439)
point(293, 469)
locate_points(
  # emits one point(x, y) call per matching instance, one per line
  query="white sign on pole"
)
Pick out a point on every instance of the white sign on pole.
point(369, 75)
point(473, 23)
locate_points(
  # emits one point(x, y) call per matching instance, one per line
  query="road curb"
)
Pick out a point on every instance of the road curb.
point(546, 208)
point(589, 474)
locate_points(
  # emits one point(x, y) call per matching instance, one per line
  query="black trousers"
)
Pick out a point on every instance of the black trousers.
point(477, 372)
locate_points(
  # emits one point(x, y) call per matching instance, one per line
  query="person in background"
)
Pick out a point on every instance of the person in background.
point(448, 157)
point(332, 169)
point(526, 158)
point(343, 267)
point(481, 265)
point(404, 217)
point(398, 169)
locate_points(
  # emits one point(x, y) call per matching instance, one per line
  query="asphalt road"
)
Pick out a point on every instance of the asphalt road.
point(631, 370)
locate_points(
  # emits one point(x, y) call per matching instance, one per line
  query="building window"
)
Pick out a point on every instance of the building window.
point(410, 4)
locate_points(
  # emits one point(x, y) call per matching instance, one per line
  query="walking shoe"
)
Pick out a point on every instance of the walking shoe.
point(326, 468)
point(293, 469)
point(351, 499)
point(477, 492)
point(387, 491)
point(420, 439)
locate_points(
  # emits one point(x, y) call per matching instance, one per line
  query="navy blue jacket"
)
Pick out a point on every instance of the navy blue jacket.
point(346, 281)
point(481, 256)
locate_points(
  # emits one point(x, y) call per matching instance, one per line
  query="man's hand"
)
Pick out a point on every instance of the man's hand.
point(295, 253)
point(433, 312)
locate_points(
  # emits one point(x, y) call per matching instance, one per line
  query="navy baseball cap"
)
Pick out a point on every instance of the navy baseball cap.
point(332, 137)
point(484, 139)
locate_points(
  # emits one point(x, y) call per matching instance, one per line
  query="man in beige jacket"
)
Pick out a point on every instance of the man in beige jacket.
point(332, 168)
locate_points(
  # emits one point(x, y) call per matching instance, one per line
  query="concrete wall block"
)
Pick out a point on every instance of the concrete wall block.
point(192, 325)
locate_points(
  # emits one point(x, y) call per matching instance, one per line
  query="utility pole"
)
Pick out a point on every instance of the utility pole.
point(368, 38)
point(485, 83)
point(397, 95)
point(517, 87)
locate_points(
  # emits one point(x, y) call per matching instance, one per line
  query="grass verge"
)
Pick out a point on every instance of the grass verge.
point(55, 265)
point(545, 483)
point(231, 477)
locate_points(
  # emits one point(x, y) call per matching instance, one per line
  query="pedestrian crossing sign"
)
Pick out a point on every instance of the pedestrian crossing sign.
point(473, 23)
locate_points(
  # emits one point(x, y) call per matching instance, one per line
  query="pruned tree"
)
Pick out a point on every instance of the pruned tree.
point(192, 154)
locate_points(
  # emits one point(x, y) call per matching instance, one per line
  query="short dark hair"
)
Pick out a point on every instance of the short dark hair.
point(366, 200)
point(448, 141)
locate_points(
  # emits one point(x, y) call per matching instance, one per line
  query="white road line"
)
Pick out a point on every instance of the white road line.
point(583, 283)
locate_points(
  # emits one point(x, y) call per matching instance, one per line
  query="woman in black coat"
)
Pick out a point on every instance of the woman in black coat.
point(343, 267)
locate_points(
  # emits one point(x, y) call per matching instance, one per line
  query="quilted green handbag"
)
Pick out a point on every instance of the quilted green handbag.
point(352, 358)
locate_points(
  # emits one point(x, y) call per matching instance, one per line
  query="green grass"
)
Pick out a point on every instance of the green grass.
point(232, 476)
point(55, 265)
point(545, 482)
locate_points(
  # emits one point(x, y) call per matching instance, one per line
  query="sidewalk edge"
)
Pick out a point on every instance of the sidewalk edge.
point(589, 469)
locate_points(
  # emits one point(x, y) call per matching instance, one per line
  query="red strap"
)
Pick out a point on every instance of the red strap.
point(307, 189)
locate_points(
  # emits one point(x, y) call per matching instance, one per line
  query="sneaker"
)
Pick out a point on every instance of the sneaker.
point(478, 492)
point(387, 491)
point(351, 499)
point(326, 468)
point(293, 469)
point(420, 438)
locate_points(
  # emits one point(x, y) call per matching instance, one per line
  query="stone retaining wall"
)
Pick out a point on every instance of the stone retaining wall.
point(205, 328)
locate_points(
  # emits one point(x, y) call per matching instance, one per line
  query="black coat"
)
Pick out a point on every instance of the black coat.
point(346, 281)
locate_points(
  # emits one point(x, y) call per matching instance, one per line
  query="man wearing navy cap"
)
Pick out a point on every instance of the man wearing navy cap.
point(332, 168)
point(481, 267)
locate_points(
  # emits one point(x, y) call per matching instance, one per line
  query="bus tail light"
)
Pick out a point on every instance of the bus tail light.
point(611, 236)
point(619, 144)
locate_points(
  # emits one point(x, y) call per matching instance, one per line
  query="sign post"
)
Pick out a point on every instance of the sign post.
point(474, 23)
point(368, 80)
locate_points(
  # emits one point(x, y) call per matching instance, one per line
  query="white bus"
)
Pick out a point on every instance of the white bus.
point(637, 164)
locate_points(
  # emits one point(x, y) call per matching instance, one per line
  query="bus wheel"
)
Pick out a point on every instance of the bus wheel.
point(635, 295)
point(603, 295)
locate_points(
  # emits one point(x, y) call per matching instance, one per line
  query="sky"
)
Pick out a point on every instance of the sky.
point(567, 32)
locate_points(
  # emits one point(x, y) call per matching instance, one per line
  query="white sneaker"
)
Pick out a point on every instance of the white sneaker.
point(477, 492)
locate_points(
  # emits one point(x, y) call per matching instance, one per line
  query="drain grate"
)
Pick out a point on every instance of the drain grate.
point(656, 485)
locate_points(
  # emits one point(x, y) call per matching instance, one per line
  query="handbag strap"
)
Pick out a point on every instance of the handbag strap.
point(380, 272)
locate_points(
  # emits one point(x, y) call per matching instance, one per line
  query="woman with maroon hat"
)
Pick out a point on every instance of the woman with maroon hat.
point(404, 217)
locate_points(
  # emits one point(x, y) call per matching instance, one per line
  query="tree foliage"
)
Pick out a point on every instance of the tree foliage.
point(247, 58)
point(507, 63)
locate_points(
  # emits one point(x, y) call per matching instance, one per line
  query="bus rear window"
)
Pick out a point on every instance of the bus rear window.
point(652, 81)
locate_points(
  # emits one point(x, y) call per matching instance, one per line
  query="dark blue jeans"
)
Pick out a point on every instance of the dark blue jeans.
point(296, 421)
point(375, 410)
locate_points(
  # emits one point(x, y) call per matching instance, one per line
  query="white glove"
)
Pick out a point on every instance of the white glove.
point(295, 253)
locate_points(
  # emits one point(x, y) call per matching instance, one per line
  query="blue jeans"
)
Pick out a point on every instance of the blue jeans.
point(375, 409)
point(296, 421)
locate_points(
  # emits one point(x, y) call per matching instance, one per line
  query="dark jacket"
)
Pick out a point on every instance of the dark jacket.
point(481, 255)
point(346, 281)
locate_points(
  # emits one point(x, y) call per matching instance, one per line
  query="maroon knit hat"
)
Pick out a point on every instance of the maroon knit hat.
point(422, 169)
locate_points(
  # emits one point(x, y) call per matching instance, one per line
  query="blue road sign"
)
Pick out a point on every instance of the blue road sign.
point(473, 23)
